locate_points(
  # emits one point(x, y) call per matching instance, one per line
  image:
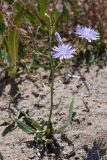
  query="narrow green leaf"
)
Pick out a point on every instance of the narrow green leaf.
point(70, 112)
point(68, 122)
point(56, 15)
point(32, 18)
point(30, 121)
point(25, 127)
point(2, 24)
point(50, 129)
point(42, 8)
point(34, 124)
point(13, 39)
point(40, 135)
point(65, 15)
point(60, 129)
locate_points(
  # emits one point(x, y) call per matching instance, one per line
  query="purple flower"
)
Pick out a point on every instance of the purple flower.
point(63, 51)
point(87, 33)
point(58, 37)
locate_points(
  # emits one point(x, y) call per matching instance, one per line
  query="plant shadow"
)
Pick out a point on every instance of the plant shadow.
point(44, 149)
point(8, 129)
point(65, 139)
point(14, 92)
point(52, 150)
point(98, 150)
point(3, 82)
point(1, 156)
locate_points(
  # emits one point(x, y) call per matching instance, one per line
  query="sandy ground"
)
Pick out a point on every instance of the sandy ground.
point(85, 139)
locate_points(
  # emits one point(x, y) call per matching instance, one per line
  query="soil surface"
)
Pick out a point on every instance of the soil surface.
point(85, 139)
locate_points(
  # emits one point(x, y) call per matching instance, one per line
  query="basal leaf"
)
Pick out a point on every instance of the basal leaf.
point(31, 122)
point(70, 112)
point(40, 134)
point(50, 129)
point(60, 129)
point(35, 124)
point(25, 127)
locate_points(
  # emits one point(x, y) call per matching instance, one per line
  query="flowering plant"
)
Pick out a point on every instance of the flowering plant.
point(61, 51)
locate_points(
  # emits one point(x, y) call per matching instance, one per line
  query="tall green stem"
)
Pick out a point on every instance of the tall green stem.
point(52, 87)
point(49, 124)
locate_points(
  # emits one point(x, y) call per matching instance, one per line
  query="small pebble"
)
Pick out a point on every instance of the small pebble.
point(35, 93)
point(66, 79)
point(89, 123)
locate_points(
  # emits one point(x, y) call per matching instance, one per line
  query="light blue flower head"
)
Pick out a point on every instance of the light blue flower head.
point(62, 51)
point(87, 33)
